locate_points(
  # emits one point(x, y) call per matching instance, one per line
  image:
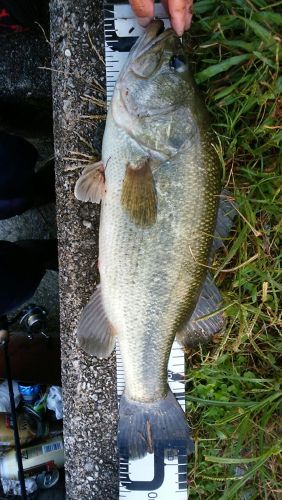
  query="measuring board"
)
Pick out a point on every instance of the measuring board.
point(162, 476)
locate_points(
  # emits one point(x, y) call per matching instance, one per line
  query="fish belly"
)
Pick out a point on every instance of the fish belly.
point(151, 277)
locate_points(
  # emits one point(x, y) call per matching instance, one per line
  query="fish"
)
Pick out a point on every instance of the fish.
point(162, 219)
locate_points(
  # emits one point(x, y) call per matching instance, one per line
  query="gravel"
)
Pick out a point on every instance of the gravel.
point(89, 385)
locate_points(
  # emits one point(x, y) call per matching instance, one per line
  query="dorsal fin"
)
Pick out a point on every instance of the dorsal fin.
point(196, 330)
point(205, 320)
point(224, 221)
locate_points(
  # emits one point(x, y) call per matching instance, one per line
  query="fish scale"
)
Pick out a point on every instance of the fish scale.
point(135, 476)
point(152, 274)
point(159, 206)
point(132, 307)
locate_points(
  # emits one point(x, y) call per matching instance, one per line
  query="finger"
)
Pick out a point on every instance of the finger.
point(144, 10)
point(189, 14)
point(178, 15)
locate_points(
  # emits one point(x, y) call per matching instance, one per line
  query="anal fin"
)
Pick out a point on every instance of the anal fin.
point(205, 321)
point(96, 336)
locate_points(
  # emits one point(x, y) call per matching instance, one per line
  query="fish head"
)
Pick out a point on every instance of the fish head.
point(155, 92)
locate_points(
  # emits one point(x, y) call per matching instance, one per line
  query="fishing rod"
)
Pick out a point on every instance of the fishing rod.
point(33, 321)
point(4, 342)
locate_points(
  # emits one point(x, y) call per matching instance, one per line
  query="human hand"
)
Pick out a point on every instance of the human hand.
point(180, 13)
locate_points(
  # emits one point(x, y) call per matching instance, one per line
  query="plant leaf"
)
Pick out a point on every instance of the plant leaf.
point(220, 67)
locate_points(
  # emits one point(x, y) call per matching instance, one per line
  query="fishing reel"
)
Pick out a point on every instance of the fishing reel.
point(32, 319)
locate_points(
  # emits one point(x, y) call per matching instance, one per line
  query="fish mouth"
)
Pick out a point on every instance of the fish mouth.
point(153, 37)
point(144, 60)
point(155, 28)
point(155, 34)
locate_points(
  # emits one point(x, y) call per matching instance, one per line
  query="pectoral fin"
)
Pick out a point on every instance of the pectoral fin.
point(139, 197)
point(91, 184)
point(96, 336)
point(205, 320)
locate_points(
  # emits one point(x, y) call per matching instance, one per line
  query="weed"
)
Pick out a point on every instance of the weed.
point(234, 395)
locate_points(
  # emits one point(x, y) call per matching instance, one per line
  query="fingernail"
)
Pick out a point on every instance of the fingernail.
point(144, 21)
point(178, 26)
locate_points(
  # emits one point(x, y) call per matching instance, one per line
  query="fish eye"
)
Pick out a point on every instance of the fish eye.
point(177, 62)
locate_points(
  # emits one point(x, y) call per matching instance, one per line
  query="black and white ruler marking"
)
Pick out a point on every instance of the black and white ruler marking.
point(121, 32)
point(163, 476)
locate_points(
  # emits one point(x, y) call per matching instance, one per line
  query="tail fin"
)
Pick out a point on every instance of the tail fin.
point(147, 427)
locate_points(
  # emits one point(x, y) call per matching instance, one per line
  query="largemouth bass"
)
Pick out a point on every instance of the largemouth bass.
point(159, 182)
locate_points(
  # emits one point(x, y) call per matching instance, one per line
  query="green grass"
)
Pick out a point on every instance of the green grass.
point(234, 395)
